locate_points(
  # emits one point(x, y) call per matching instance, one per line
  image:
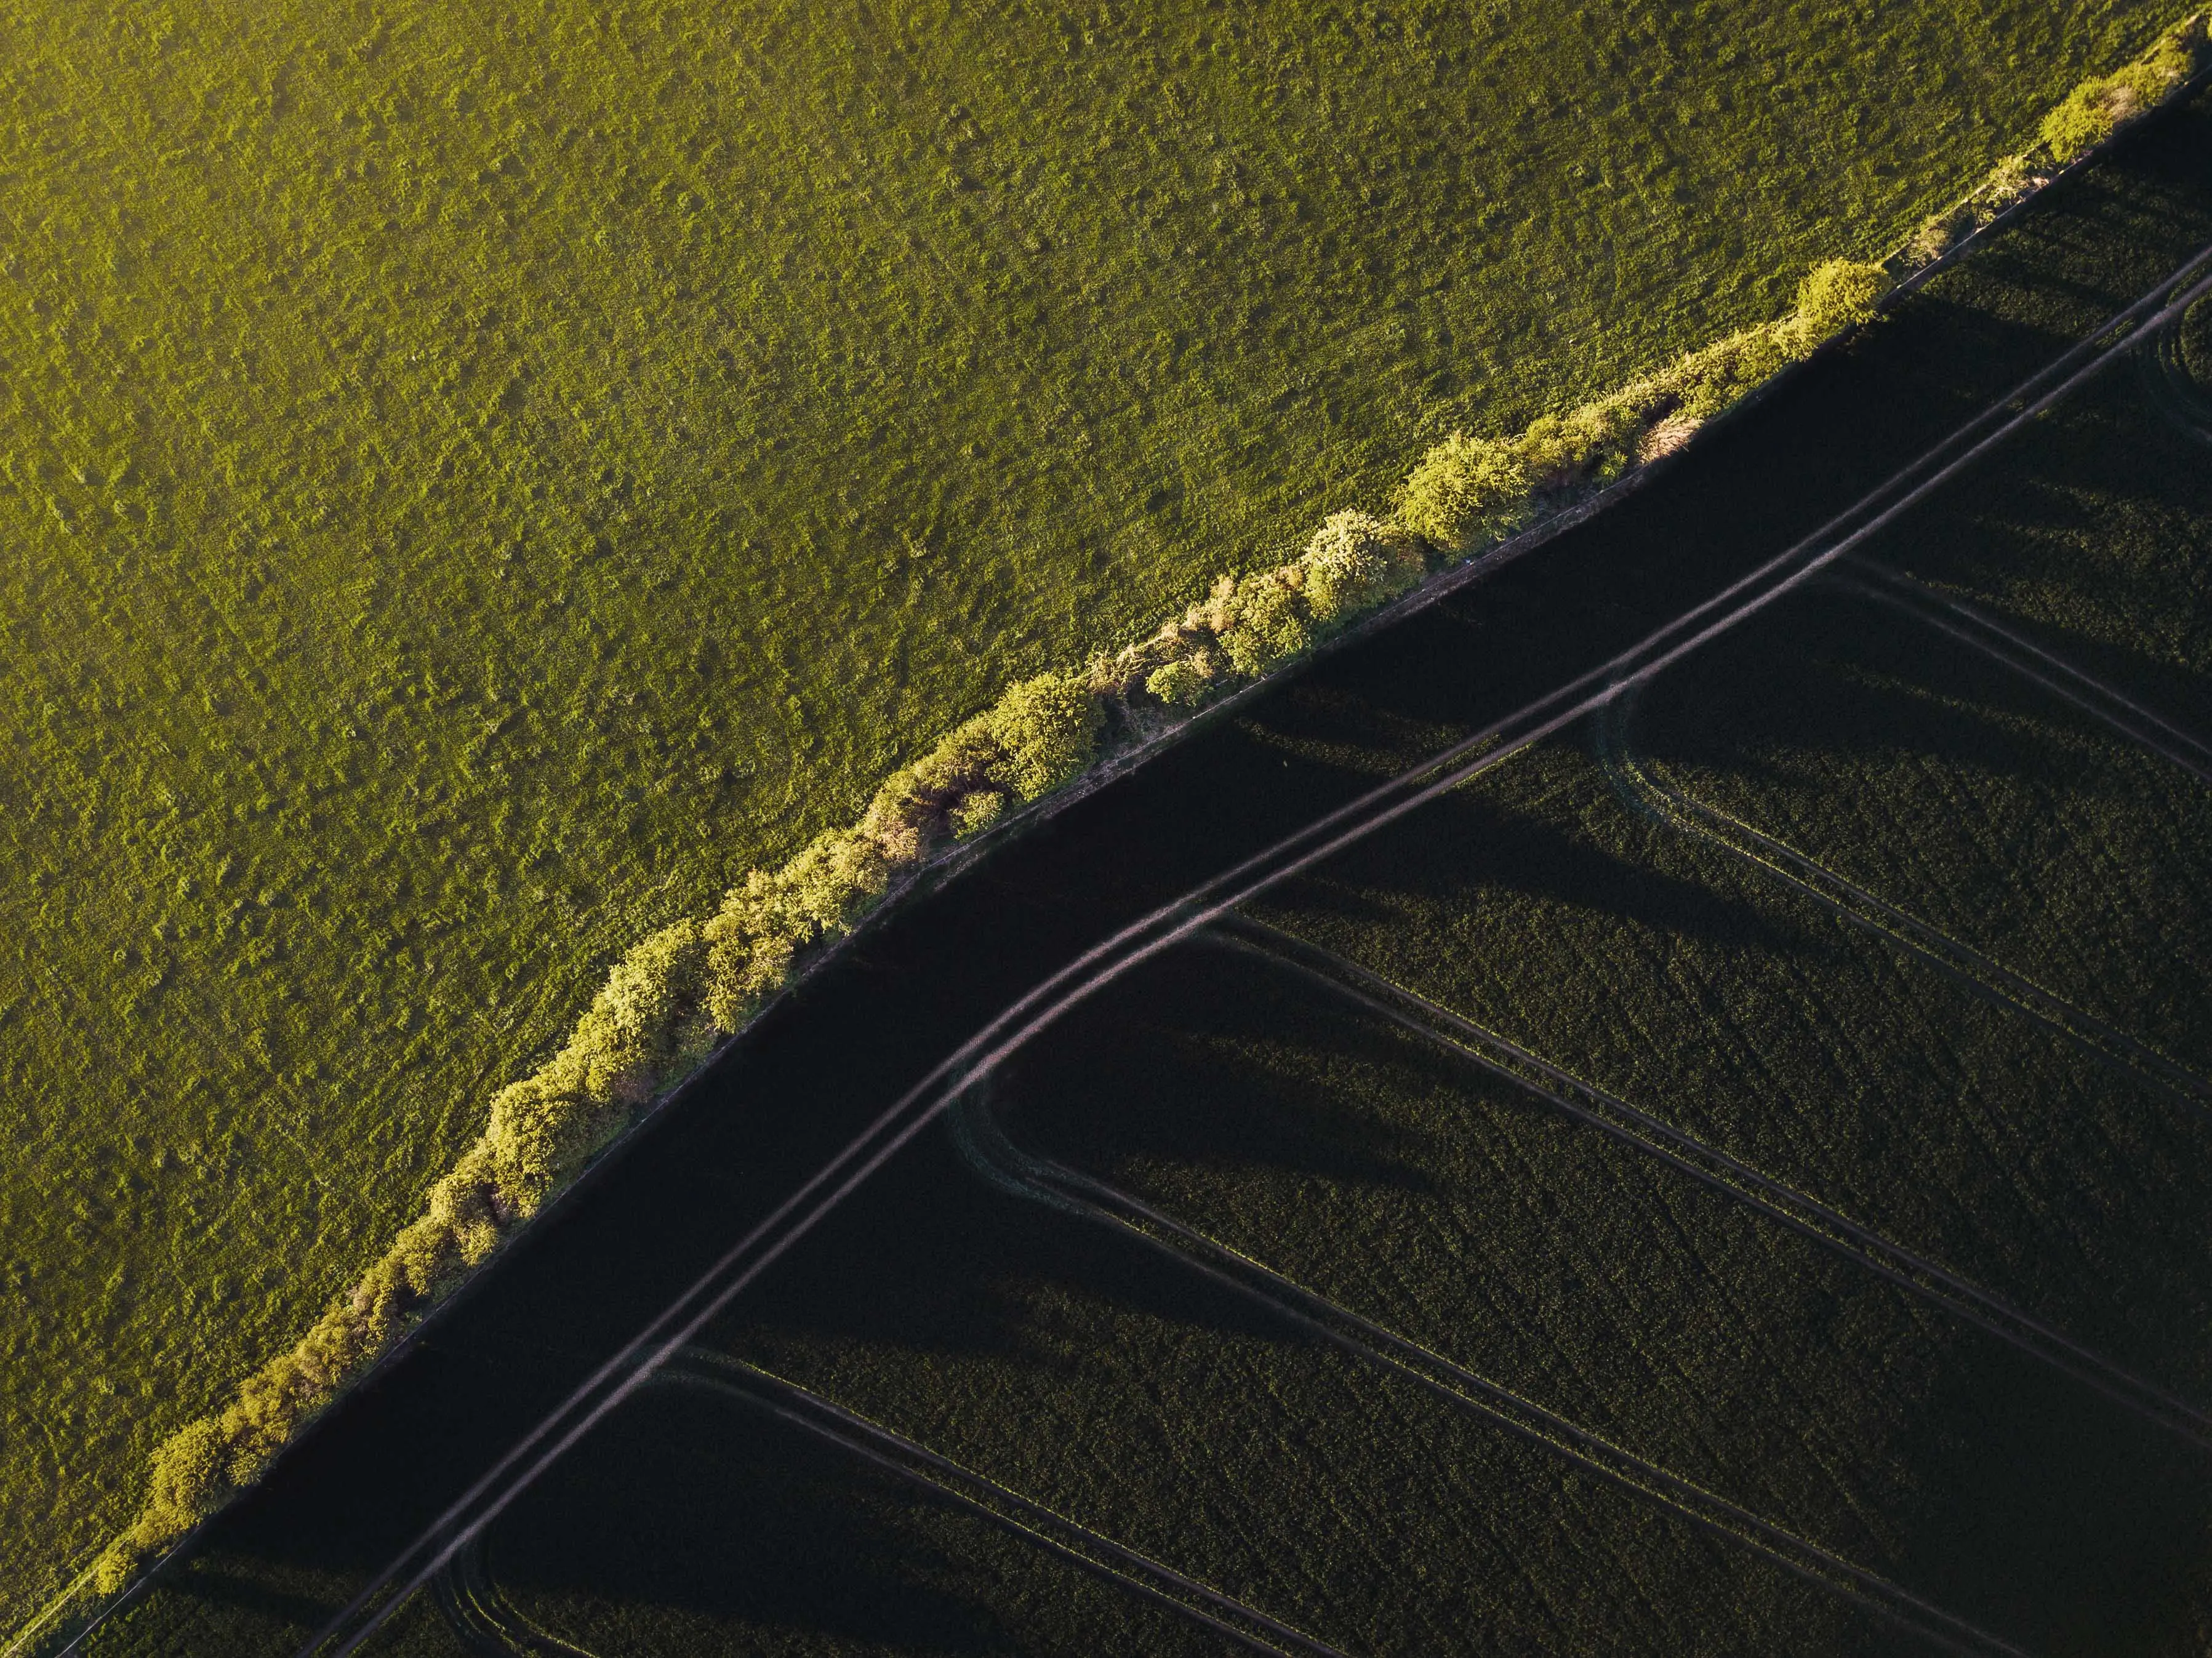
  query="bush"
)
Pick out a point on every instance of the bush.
point(1354, 562)
point(1466, 491)
point(2095, 109)
point(1049, 728)
point(1263, 622)
point(1836, 296)
point(1180, 683)
point(977, 813)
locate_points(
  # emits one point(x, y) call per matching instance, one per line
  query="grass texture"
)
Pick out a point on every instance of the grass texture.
point(1067, 1361)
point(473, 482)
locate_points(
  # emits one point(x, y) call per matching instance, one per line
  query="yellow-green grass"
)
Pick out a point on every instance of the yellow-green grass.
point(472, 482)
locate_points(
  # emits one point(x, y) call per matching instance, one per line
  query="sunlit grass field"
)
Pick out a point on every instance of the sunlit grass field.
point(471, 482)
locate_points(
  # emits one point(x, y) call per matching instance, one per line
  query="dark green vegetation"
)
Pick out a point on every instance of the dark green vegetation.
point(477, 482)
point(1055, 1354)
point(1983, 804)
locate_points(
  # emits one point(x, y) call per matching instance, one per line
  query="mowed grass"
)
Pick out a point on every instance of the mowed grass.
point(473, 481)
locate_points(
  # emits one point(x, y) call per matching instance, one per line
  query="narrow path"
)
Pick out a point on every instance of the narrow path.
point(1869, 912)
point(985, 1143)
point(680, 1322)
point(1464, 1040)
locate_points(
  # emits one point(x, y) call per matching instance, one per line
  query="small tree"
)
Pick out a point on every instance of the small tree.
point(1466, 491)
point(1354, 562)
point(1266, 624)
point(1048, 728)
point(1839, 294)
point(1179, 683)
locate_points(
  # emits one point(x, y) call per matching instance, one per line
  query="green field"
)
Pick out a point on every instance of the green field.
point(1981, 803)
point(1096, 1379)
point(1954, 1215)
point(474, 483)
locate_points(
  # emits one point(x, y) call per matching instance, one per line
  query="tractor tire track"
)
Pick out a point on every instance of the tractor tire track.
point(1031, 1521)
point(721, 1283)
point(1870, 912)
point(2007, 647)
point(491, 1627)
point(485, 1620)
point(1463, 1039)
point(1006, 1166)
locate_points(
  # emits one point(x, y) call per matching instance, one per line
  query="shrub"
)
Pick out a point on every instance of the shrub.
point(189, 1480)
point(1840, 294)
point(1049, 728)
point(1354, 562)
point(977, 813)
point(1179, 683)
point(2095, 109)
point(1265, 623)
point(1465, 491)
point(1707, 382)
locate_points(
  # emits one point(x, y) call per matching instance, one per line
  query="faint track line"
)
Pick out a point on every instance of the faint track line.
point(1012, 1168)
point(1030, 1521)
point(1469, 1041)
point(1970, 626)
point(1870, 912)
point(492, 1625)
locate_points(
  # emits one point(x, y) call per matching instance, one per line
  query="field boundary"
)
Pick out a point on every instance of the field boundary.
point(1044, 1004)
point(1144, 745)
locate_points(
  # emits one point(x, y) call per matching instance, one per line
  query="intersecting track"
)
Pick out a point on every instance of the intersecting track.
point(987, 1145)
point(677, 1326)
point(1870, 912)
point(1463, 1039)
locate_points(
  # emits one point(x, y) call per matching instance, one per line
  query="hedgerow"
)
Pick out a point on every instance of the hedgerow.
point(672, 997)
point(2092, 113)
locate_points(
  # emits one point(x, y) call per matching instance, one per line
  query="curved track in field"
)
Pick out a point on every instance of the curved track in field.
point(1978, 630)
point(483, 1617)
point(2178, 394)
point(680, 1322)
point(1464, 1040)
point(995, 1155)
point(486, 1621)
point(1870, 912)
